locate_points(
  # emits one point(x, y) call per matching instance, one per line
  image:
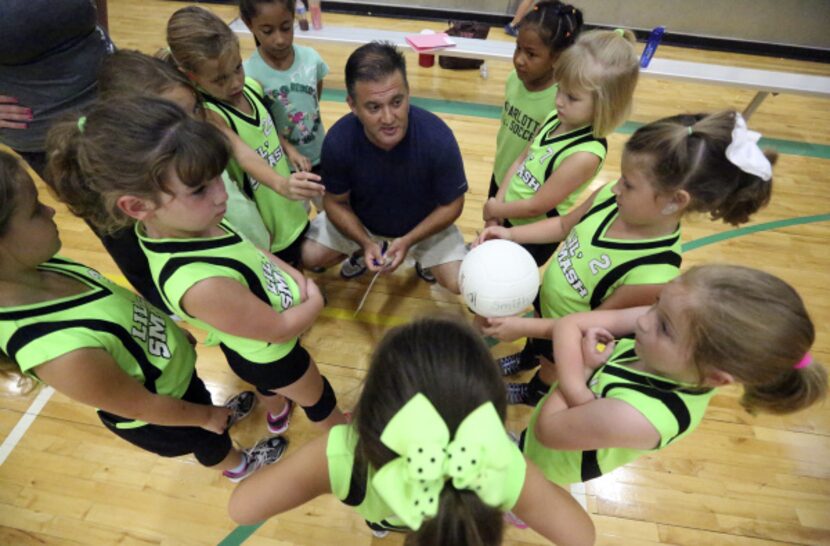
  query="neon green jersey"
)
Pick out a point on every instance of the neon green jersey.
point(589, 266)
point(547, 152)
point(284, 218)
point(142, 340)
point(178, 264)
point(672, 408)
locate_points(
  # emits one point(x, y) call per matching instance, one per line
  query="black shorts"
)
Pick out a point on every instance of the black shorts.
point(209, 448)
point(269, 376)
point(494, 188)
point(292, 254)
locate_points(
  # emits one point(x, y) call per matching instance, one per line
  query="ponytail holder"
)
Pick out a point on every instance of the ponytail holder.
point(81, 123)
point(620, 31)
point(744, 152)
point(690, 130)
point(804, 362)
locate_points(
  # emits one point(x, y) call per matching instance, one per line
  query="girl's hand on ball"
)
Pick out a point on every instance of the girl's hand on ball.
point(494, 232)
point(503, 329)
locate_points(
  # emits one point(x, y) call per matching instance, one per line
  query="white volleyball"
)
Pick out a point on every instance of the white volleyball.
point(498, 278)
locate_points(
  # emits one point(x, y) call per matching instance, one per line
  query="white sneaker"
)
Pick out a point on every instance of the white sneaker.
point(265, 452)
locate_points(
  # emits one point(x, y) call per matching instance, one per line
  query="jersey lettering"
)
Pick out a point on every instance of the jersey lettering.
point(150, 328)
point(604, 262)
point(275, 283)
point(527, 177)
point(570, 250)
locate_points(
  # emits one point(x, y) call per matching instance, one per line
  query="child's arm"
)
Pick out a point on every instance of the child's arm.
point(277, 488)
point(540, 498)
point(568, 334)
point(232, 308)
point(598, 424)
point(632, 295)
point(490, 220)
point(513, 328)
point(572, 173)
point(297, 186)
point(548, 230)
point(298, 161)
point(92, 377)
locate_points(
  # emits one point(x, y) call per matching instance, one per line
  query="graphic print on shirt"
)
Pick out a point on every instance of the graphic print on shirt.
point(276, 284)
point(149, 328)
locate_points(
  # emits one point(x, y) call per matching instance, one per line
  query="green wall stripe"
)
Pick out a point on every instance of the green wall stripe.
point(489, 111)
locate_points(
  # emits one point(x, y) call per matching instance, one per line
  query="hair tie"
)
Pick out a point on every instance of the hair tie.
point(744, 152)
point(804, 362)
point(81, 123)
point(480, 458)
point(690, 130)
point(620, 31)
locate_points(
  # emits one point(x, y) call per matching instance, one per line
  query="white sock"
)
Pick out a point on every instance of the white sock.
point(242, 465)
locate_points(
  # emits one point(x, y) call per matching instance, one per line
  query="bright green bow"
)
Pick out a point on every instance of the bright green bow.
point(478, 458)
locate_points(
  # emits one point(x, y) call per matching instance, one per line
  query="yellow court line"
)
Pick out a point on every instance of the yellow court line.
point(376, 319)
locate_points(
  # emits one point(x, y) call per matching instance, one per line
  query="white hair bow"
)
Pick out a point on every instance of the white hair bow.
point(744, 152)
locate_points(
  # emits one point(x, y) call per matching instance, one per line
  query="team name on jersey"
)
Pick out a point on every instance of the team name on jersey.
point(527, 177)
point(570, 251)
point(275, 283)
point(519, 123)
point(150, 328)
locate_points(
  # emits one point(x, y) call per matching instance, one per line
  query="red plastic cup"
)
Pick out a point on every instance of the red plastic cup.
point(426, 60)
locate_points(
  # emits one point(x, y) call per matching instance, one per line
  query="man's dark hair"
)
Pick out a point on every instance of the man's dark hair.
point(373, 62)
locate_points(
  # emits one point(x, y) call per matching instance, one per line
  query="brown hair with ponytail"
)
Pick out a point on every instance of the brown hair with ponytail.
point(440, 358)
point(754, 326)
point(125, 146)
point(688, 152)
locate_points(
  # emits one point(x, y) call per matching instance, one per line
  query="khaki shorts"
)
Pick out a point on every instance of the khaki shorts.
point(441, 248)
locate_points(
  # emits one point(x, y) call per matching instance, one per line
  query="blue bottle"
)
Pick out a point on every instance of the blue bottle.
point(651, 45)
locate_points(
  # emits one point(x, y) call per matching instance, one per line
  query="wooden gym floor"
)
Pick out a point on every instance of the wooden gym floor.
point(738, 481)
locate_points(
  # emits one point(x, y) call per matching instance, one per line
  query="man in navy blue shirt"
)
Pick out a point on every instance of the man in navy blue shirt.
point(394, 179)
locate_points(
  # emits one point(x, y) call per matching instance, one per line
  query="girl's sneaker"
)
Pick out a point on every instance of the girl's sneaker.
point(515, 363)
point(264, 452)
point(278, 424)
point(241, 406)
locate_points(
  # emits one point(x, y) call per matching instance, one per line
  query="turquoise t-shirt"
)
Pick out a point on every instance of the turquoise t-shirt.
point(296, 106)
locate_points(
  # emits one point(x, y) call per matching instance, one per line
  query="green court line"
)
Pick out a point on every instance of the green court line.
point(240, 534)
point(747, 230)
point(243, 532)
point(489, 111)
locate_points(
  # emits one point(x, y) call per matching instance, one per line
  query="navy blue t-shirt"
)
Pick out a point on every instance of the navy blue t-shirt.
point(393, 191)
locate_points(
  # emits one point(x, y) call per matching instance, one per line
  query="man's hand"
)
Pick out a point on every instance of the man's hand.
point(374, 256)
point(396, 252)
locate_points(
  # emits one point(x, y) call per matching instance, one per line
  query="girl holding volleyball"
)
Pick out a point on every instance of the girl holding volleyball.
point(623, 243)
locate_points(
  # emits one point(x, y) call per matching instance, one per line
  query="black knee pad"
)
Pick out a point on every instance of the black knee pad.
point(324, 406)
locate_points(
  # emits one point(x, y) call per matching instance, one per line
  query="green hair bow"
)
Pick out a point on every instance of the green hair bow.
point(478, 459)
